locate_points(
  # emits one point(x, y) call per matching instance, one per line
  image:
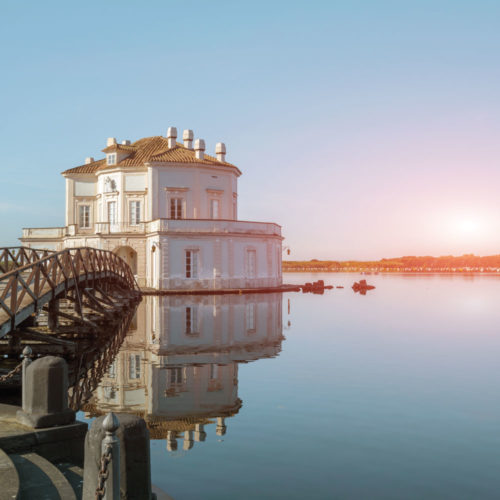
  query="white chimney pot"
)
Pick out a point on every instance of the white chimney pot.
point(187, 137)
point(126, 143)
point(111, 141)
point(88, 160)
point(172, 137)
point(199, 148)
point(220, 151)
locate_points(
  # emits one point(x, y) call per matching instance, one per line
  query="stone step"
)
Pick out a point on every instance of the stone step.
point(9, 478)
point(74, 476)
point(40, 479)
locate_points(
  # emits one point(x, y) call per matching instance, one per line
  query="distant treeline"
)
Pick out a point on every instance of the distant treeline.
point(447, 263)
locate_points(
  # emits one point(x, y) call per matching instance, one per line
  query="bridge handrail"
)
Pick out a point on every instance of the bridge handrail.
point(66, 250)
point(46, 274)
point(15, 257)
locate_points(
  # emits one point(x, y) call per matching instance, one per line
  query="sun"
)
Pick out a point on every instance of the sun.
point(469, 226)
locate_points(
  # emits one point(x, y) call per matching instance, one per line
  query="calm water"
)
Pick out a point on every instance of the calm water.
point(395, 394)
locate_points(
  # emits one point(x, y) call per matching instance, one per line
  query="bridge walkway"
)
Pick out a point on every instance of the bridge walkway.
point(30, 279)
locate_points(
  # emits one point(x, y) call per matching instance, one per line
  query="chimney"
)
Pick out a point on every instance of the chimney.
point(172, 137)
point(88, 160)
point(126, 143)
point(111, 141)
point(220, 151)
point(187, 137)
point(199, 148)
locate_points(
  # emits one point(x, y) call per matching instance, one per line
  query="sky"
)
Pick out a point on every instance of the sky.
point(366, 129)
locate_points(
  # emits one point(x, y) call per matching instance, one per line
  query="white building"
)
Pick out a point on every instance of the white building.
point(170, 211)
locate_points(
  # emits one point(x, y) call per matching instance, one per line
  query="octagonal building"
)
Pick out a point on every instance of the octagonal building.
point(170, 210)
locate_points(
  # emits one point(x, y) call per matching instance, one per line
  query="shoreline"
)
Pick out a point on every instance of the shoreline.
point(221, 291)
point(374, 273)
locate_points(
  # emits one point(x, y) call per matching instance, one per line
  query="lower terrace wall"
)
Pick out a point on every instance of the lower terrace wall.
point(222, 262)
point(159, 260)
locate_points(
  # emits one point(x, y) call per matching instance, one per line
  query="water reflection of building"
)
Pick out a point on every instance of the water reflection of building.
point(178, 367)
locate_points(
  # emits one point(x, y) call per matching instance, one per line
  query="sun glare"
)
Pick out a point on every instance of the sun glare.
point(469, 226)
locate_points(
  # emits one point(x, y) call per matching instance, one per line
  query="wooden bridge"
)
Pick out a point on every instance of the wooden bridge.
point(34, 280)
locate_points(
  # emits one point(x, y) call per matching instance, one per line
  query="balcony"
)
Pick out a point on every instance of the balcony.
point(119, 227)
point(203, 226)
point(172, 226)
point(44, 233)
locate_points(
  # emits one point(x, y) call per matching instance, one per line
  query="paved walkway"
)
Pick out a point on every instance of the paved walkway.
point(17, 438)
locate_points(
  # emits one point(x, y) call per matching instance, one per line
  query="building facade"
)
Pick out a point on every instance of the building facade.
point(170, 211)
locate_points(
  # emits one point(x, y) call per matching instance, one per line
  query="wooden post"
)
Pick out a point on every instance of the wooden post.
point(52, 313)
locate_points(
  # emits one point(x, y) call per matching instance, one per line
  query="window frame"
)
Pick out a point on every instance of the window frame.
point(111, 159)
point(191, 320)
point(134, 366)
point(191, 264)
point(235, 206)
point(214, 371)
point(251, 263)
point(251, 317)
point(176, 207)
point(175, 376)
point(115, 218)
point(81, 208)
point(214, 202)
point(136, 220)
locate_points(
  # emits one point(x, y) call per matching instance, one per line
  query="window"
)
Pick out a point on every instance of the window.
point(251, 263)
point(112, 370)
point(111, 159)
point(174, 376)
point(191, 320)
point(112, 212)
point(250, 316)
point(176, 208)
point(235, 206)
point(134, 366)
point(191, 263)
point(134, 212)
point(214, 371)
point(214, 209)
point(84, 216)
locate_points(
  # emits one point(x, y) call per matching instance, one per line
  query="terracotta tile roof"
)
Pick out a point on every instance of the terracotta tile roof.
point(144, 150)
point(90, 168)
point(118, 147)
point(180, 154)
point(150, 149)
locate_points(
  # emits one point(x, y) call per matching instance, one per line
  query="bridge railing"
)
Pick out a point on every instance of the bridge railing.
point(16, 257)
point(28, 287)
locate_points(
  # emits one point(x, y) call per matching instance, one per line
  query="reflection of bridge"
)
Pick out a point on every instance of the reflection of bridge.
point(35, 280)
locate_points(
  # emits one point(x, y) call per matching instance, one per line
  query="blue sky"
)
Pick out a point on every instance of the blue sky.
point(367, 129)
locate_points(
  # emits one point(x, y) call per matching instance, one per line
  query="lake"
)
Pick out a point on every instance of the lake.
point(390, 395)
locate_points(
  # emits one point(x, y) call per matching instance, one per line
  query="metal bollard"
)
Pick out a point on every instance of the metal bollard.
point(27, 352)
point(133, 480)
point(111, 447)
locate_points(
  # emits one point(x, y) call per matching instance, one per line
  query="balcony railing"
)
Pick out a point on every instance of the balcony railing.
point(202, 226)
point(212, 226)
point(119, 227)
point(44, 232)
